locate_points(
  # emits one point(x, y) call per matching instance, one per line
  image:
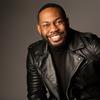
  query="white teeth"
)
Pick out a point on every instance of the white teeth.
point(56, 38)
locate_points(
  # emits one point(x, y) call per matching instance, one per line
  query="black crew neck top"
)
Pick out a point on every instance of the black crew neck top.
point(59, 59)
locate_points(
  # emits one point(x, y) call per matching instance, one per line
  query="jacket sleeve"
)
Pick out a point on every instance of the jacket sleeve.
point(35, 86)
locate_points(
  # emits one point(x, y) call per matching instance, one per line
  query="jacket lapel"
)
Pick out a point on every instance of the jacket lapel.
point(72, 64)
point(49, 76)
point(45, 68)
point(73, 59)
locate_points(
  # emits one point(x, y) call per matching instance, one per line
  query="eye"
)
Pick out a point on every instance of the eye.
point(59, 22)
point(45, 25)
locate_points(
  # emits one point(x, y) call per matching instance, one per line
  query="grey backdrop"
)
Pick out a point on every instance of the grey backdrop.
point(17, 31)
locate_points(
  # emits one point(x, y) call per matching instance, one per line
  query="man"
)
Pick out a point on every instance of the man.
point(65, 65)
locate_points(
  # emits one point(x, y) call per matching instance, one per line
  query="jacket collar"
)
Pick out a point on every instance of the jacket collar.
point(75, 40)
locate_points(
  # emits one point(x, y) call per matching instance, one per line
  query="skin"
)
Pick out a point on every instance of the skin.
point(52, 27)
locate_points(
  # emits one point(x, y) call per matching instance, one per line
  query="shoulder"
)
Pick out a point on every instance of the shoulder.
point(91, 42)
point(90, 38)
point(86, 38)
point(88, 35)
point(84, 34)
point(37, 46)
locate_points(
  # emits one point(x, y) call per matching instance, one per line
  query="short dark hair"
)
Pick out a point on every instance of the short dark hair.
point(48, 5)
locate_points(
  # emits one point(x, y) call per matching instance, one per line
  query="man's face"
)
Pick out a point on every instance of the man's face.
point(52, 26)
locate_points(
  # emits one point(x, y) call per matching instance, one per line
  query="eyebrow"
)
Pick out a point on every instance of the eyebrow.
point(54, 20)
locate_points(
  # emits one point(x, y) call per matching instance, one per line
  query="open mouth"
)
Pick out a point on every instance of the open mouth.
point(56, 37)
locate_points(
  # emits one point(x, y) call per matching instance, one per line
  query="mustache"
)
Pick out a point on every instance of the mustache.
point(56, 33)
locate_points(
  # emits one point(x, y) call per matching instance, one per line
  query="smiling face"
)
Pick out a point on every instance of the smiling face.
point(52, 26)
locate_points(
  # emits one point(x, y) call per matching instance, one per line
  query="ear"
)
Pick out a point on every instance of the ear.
point(39, 29)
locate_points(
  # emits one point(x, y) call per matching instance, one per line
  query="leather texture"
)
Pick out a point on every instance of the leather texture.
point(82, 61)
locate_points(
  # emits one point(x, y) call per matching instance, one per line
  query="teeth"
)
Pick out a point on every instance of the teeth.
point(56, 38)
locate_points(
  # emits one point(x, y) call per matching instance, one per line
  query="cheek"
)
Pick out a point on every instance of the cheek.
point(62, 28)
point(44, 33)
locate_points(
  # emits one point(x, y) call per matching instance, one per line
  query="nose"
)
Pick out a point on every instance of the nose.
point(53, 28)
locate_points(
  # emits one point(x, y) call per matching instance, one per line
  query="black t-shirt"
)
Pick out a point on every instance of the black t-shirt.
point(59, 58)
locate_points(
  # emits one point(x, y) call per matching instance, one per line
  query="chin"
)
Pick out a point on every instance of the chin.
point(56, 44)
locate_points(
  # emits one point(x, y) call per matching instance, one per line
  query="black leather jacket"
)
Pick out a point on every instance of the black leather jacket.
point(83, 61)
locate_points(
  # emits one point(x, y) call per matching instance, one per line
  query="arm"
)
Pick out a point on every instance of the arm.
point(35, 87)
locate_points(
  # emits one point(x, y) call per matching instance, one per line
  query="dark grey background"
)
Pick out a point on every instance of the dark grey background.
point(17, 31)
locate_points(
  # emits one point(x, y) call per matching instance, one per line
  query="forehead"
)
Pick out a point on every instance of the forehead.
point(48, 8)
point(49, 13)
